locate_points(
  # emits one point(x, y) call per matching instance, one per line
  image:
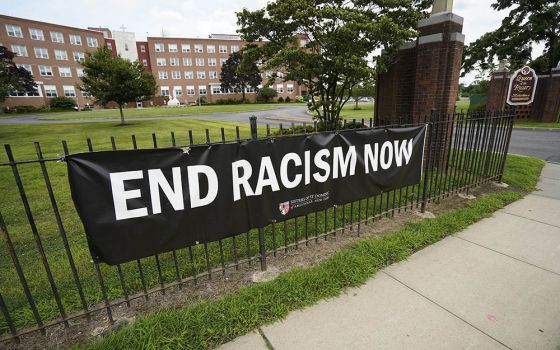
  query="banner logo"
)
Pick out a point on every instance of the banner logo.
point(284, 208)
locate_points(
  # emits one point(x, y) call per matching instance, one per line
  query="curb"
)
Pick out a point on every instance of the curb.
point(535, 129)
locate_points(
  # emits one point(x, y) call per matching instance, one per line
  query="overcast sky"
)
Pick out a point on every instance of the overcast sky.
point(191, 18)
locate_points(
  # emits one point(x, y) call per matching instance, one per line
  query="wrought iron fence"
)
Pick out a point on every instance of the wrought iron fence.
point(49, 278)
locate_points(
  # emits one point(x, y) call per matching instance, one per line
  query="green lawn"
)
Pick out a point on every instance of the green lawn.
point(209, 324)
point(535, 124)
point(462, 105)
point(366, 111)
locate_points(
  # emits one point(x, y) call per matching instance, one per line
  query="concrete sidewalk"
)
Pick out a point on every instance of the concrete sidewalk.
point(495, 285)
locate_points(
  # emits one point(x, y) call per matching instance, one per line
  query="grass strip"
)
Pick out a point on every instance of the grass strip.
point(209, 324)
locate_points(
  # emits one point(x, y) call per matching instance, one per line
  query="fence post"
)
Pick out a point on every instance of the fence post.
point(262, 247)
point(427, 169)
point(508, 139)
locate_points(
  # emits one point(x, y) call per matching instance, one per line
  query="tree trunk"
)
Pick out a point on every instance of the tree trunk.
point(243, 93)
point(357, 104)
point(122, 115)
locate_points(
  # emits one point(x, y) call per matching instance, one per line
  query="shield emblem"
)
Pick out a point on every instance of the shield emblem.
point(284, 208)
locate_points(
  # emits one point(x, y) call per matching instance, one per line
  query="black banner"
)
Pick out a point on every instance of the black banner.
point(135, 204)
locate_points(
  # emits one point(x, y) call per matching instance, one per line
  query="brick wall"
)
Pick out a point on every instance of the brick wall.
point(546, 105)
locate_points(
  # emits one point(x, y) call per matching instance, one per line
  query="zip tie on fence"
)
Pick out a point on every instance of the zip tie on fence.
point(186, 150)
point(61, 158)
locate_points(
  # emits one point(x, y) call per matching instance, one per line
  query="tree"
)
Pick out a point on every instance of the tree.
point(116, 79)
point(528, 23)
point(12, 77)
point(237, 76)
point(328, 45)
point(268, 93)
point(361, 91)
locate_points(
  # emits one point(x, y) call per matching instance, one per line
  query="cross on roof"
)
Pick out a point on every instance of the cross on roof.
point(123, 28)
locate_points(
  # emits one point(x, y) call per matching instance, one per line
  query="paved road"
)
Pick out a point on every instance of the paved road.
point(282, 114)
point(542, 144)
point(536, 143)
point(495, 285)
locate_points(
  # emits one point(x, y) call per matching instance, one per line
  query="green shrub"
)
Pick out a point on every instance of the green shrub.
point(266, 94)
point(298, 129)
point(280, 99)
point(299, 98)
point(231, 101)
point(62, 102)
point(288, 99)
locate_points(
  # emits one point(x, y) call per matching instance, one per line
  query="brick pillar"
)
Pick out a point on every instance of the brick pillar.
point(424, 74)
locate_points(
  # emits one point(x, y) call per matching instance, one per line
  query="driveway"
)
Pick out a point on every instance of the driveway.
point(282, 114)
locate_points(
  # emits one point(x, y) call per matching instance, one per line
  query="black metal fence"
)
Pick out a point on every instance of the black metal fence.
point(48, 277)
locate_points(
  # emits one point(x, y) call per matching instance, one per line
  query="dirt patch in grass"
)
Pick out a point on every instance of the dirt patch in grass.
point(304, 255)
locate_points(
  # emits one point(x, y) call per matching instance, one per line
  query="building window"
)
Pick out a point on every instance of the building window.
point(174, 61)
point(202, 90)
point(189, 75)
point(162, 74)
point(290, 88)
point(27, 67)
point(212, 62)
point(19, 50)
point(57, 37)
point(249, 89)
point(34, 93)
point(61, 55)
point(200, 75)
point(216, 90)
point(36, 34)
point(234, 48)
point(172, 47)
point(75, 39)
point(145, 62)
point(14, 31)
point(41, 52)
point(79, 56)
point(211, 48)
point(86, 94)
point(142, 48)
point(161, 62)
point(69, 91)
point(222, 61)
point(187, 61)
point(92, 42)
point(164, 91)
point(177, 91)
point(185, 47)
point(175, 74)
point(223, 48)
point(200, 62)
point(302, 43)
point(110, 46)
point(198, 49)
point(65, 72)
point(280, 88)
point(79, 72)
point(159, 48)
point(125, 47)
point(190, 90)
point(45, 71)
point(213, 74)
point(50, 91)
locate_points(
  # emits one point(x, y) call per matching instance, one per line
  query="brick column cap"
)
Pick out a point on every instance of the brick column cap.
point(440, 18)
